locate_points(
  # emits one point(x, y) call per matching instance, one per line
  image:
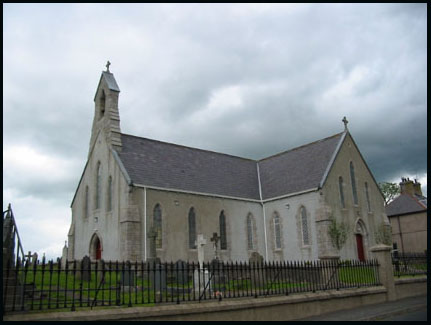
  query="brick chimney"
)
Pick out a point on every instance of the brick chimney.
point(410, 187)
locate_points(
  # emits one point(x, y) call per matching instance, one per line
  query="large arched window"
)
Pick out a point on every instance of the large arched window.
point(340, 185)
point(109, 201)
point(98, 185)
point(367, 194)
point(304, 224)
point(352, 178)
point(277, 231)
point(192, 228)
point(223, 239)
point(87, 203)
point(250, 236)
point(157, 219)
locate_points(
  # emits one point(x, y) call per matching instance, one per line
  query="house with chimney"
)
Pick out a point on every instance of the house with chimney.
point(408, 217)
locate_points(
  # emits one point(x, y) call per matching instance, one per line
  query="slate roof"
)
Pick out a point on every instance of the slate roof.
point(165, 165)
point(406, 203)
point(160, 164)
point(298, 169)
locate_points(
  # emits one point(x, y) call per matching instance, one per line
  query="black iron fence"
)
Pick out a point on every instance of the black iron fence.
point(409, 264)
point(88, 284)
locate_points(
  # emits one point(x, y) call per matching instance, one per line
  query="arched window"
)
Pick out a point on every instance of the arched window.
point(109, 201)
point(367, 194)
point(340, 185)
point(304, 223)
point(192, 228)
point(250, 231)
point(157, 219)
point(277, 231)
point(352, 178)
point(87, 203)
point(223, 240)
point(98, 185)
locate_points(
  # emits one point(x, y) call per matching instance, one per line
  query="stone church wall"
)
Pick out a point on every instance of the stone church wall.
point(292, 246)
point(175, 208)
point(352, 214)
point(99, 221)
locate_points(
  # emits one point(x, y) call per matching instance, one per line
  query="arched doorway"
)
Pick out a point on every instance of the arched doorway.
point(95, 248)
point(361, 240)
point(360, 247)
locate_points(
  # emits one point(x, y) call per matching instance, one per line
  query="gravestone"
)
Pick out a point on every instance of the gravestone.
point(127, 275)
point(180, 272)
point(215, 239)
point(64, 256)
point(100, 269)
point(34, 259)
point(218, 278)
point(160, 277)
point(200, 243)
point(201, 275)
point(86, 268)
point(152, 254)
point(257, 272)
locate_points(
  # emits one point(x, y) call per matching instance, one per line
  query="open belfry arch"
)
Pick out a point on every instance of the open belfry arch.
point(126, 177)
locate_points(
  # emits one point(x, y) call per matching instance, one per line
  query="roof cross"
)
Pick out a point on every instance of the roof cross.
point(344, 120)
point(107, 66)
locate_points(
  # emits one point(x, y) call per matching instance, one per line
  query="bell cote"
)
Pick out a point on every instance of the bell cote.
point(106, 114)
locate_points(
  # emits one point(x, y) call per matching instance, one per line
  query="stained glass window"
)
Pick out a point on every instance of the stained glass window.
point(158, 224)
point(277, 231)
point(98, 185)
point(367, 194)
point(340, 184)
point(305, 237)
point(250, 231)
point(223, 240)
point(192, 228)
point(352, 177)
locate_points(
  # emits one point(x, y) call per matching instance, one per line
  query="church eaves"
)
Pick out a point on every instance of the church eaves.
point(170, 166)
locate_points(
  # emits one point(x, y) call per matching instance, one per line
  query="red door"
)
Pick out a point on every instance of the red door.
point(98, 250)
point(360, 247)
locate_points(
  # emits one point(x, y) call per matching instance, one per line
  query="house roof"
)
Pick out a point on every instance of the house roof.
point(406, 203)
point(165, 165)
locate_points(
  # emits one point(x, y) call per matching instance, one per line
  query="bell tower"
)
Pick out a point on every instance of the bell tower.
point(106, 115)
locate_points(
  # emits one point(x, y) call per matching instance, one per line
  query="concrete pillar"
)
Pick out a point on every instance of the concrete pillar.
point(386, 274)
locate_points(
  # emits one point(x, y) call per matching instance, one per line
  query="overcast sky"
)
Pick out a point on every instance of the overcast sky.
point(245, 79)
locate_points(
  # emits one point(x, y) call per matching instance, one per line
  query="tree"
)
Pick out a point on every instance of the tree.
point(389, 191)
point(338, 232)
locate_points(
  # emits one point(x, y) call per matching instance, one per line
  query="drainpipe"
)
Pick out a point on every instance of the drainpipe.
point(263, 209)
point(145, 223)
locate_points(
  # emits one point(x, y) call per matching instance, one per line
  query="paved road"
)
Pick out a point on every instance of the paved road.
point(418, 315)
point(413, 307)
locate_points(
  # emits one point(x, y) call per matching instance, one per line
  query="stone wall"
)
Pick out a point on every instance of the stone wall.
point(352, 213)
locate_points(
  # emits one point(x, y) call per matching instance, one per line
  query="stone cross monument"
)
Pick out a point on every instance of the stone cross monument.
point(152, 235)
point(200, 243)
point(215, 239)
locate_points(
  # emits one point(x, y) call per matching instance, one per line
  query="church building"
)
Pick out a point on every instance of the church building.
point(315, 201)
